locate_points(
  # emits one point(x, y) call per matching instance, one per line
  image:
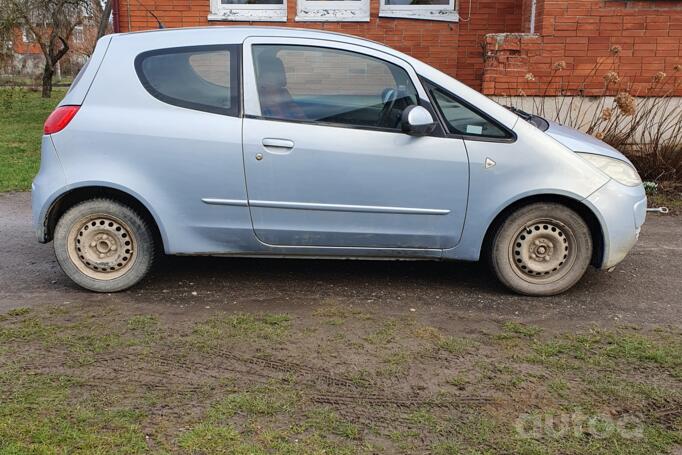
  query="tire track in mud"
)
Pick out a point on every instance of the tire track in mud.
point(358, 399)
point(384, 400)
point(215, 364)
point(666, 412)
point(390, 411)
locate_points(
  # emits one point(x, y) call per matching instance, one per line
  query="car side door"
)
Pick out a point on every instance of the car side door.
point(325, 160)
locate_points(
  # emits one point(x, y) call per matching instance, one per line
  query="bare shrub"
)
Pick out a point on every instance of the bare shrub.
point(661, 165)
point(646, 125)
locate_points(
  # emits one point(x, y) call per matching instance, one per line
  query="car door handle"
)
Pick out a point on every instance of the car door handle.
point(280, 145)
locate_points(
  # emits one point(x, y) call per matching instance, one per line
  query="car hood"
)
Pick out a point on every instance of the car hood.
point(582, 142)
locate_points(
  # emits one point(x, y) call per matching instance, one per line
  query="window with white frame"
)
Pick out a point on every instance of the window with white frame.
point(26, 35)
point(78, 36)
point(435, 10)
point(333, 10)
point(248, 10)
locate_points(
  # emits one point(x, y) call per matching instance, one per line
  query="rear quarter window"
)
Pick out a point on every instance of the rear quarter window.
point(203, 78)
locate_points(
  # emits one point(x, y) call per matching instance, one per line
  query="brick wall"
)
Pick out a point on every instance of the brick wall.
point(343, 73)
point(578, 34)
point(456, 48)
point(28, 60)
point(581, 41)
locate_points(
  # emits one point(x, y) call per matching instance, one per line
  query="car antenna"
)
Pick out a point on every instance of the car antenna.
point(158, 21)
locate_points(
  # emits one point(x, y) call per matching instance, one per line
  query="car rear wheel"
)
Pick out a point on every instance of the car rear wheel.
point(103, 245)
point(541, 249)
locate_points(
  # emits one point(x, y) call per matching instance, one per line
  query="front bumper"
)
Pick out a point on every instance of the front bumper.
point(621, 211)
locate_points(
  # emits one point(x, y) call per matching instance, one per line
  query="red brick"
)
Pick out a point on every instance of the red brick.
point(579, 32)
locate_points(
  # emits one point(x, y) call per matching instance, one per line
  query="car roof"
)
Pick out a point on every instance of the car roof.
point(237, 33)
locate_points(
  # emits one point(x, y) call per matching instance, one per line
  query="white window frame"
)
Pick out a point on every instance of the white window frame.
point(332, 11)
point(246, 12)
point(78, 34)
point(446, 13)
point(26, 35)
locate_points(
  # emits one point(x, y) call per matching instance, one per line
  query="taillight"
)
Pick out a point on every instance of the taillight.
point(59, 118)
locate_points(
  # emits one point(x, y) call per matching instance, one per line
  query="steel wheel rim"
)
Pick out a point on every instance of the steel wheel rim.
point(543, 251)
point(102, 247)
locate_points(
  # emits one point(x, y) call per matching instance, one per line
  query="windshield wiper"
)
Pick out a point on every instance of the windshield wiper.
point(521, 113)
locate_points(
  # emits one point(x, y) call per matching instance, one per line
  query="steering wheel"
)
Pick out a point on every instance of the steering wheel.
point(389, 97)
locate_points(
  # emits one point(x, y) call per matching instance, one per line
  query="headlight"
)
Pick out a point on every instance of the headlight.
point(616, 169)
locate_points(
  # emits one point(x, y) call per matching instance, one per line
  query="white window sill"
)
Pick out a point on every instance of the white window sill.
point(426, 14)
point(332, 15)
point(250, 15)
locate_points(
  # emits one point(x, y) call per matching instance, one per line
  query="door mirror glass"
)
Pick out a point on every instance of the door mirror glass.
point(417, 121)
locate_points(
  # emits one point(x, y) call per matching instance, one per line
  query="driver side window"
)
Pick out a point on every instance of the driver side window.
point(330, 86)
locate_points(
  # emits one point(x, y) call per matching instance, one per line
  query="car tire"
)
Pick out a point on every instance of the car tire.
point(104, 245)
point(541, 249)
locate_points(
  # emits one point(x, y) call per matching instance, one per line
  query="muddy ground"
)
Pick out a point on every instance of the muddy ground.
point(218, 355)
point(644, 289)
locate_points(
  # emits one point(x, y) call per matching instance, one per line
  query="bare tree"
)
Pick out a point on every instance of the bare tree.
point(50, 23)
point(104, 16)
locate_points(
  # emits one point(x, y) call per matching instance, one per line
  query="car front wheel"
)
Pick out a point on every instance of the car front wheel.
point(541, 249)
point(103, 245)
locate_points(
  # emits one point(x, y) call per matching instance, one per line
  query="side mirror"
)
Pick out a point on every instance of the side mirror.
point(417, 121)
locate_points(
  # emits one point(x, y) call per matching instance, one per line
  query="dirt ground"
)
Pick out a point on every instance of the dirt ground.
point(222, 355)
point(644, 289)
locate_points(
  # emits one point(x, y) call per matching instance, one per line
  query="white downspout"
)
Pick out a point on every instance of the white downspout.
point(533, 6)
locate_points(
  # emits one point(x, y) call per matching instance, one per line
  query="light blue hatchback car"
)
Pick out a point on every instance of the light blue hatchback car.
point(253, 141)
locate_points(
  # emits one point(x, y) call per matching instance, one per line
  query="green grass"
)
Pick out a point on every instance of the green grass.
point(609, 349)
point(320, 429)
point(395, 363)
point(42, 416)
point(449, 344)
point(143, 322)
point(327, 421)
point(28, 329)
point(514, 328)
point(267, 400)
point(222, 329)
point(103, 379)
point(22, 114)
point(454, 345)
point(384, 335)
